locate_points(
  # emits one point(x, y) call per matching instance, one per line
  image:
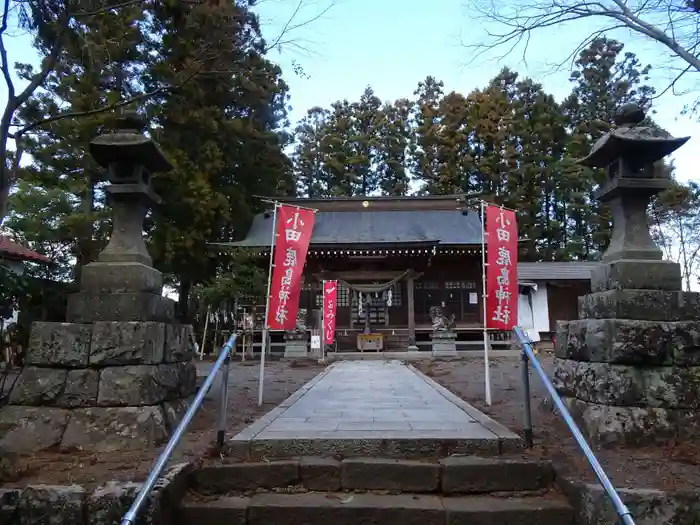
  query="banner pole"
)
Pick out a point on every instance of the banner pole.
point(323, 321)
point(204, 335)
point(265, 332)
point(487, 371)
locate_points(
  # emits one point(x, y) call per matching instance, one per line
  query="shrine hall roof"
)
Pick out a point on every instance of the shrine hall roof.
point(378, 227)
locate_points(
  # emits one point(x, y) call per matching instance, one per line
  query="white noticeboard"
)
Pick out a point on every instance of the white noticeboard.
point(473, 299)
point(315, 342)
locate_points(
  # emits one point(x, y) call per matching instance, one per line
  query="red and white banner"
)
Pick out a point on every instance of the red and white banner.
point(502, 269)
point(294, 227)
point(330, 292)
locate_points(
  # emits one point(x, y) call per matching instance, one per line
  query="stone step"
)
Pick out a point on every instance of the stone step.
point(356, 509)
point(452, 475)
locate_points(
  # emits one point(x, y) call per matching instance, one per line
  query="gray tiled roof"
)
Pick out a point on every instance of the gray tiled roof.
point(446, 227)
point(550, 271)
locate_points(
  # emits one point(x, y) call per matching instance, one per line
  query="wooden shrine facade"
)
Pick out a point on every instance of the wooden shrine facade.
point(398, 256)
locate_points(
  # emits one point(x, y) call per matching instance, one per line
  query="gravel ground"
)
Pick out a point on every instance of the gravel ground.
point(282, 378)
point(672, 466)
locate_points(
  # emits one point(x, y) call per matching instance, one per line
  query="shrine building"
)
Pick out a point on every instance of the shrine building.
point(396, 257)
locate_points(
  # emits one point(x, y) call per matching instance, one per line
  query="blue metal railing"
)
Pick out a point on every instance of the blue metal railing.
point(222, 362)
point(528, 355)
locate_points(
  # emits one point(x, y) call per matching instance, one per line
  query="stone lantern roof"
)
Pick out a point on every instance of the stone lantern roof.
point(128, 143)
point(638, 145)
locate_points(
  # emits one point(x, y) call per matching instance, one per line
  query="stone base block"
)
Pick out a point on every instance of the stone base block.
point(109, 343)
point(31, 429)
point(128, 306)
point(296, 348)
point(637, 274)
point(59, 344)
point(444, 344)
point(112, 429)
point(105, 277)
point(146, 384)
point(127, 343)
point(644, 305)
point(609, 426)
point(669, 387)
point(623, 341)
point(28, 429)
point(179, 343)
point(112, 386)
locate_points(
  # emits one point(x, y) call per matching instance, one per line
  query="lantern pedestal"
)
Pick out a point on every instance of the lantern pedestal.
point(628, 369)
point(118, 374)
point(444, 344)
point(295, 345)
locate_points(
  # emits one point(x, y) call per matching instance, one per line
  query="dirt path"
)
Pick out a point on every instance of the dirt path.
point(673, 466)
point(281, 380)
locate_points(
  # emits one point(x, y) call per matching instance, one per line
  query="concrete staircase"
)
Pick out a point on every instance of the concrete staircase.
point(460, 490)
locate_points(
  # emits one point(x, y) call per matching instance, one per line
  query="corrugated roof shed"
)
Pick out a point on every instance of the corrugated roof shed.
point(447, 227)
point(549, 271)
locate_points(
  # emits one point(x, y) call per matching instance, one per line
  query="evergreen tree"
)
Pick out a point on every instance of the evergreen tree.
point(605, 79)
point(425, 150)
point(58, 207)
point(338, 151)
point(222, 132)
point(308, 155)
point(394, 137)
point(366, 120)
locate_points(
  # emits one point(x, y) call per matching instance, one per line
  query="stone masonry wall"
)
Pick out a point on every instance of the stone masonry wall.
point(103, 505)
point(100, 386)
point(631, 381)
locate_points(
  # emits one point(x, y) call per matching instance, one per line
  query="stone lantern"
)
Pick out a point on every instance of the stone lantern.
point(118, 374)
point(629, 154)
point(124, 268)
point(628, 369)
point(130, 159)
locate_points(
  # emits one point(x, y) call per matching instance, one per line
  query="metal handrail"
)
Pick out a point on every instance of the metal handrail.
point(223, 360)
point(529, 355)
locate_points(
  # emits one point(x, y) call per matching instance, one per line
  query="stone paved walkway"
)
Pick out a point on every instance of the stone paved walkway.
point(373, 408)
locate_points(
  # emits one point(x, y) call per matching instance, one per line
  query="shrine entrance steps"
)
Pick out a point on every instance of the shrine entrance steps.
point(370, 442)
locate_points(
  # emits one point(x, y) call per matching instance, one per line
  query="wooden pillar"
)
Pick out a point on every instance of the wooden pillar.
point(411, 312)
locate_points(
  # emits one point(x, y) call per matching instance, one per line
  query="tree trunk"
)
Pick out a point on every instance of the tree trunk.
point(5, 168)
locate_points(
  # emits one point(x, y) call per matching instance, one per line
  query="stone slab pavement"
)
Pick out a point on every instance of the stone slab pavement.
point(357, 408)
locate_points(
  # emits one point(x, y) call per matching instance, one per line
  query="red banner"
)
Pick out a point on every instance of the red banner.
point(502, 269)
point(294, 227)
point(330, 292)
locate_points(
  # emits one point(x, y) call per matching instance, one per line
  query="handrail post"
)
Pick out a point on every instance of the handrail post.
point(622, 511)
point(527, 409)
point(223, 403)
point(130, 517)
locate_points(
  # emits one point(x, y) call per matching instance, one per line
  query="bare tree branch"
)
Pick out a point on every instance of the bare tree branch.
point(110, 107)
point(292, 24)
point(671, 23)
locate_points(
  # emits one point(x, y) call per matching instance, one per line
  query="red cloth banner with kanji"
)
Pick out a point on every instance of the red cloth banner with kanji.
point(330, 292)
point(502, 269)
point(294, 227)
